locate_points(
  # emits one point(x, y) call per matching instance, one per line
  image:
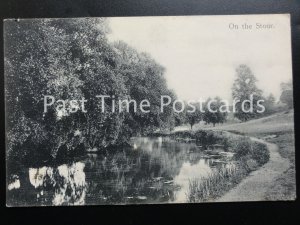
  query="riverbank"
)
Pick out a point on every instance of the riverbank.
point(248, 156)
point(256, 186)
point(276, 180)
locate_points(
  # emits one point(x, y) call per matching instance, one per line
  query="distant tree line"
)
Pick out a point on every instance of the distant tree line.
point(286, 96)
point(245, 85)
point(210, 113)
point(244, 88)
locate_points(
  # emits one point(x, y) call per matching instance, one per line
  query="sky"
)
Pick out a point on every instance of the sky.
point(200, 53)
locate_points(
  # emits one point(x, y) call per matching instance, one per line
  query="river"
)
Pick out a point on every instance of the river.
point(153, 170)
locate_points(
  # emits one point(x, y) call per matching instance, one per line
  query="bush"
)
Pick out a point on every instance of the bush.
point(259, 152)
point(247, 163)
point(241, 147)
point(246, 147)
point(251, 164)
point(249, 155)
point(208, 137)
point(200, 136)
point(226, 144)
point(182, 134)
point(246, 150)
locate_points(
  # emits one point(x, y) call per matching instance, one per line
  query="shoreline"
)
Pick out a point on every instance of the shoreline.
point(277, 131)
point(255, 186)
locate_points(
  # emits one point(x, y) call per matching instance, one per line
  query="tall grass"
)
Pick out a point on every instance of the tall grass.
point(215, 184)
point(249, 155)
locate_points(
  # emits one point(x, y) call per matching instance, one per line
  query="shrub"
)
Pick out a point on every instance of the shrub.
point(251, 164)
point(226, 143)
point(182, 134)
point(201, 136)
point(246, 147)
point(249, 155)
point(208, 137)
point(259, 152)
point(241, 147)
point(247, 163)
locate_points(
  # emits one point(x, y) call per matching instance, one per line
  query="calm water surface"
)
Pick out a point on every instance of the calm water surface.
point(154, 170)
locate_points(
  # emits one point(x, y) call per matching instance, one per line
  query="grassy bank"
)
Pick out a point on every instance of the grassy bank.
point(277, 129)
point(284, 187)
point(248, 156)
point(216, 184)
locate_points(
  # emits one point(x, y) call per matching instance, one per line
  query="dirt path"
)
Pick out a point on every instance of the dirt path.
point(255, 186)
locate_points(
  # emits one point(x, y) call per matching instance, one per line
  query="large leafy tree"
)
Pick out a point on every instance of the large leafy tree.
point(144, 79)
point(72, 59)
point(36, 64)
point(68, 60)
point(243, 88)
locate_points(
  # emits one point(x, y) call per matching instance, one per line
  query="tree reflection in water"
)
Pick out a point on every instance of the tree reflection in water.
point(154, 170)
point(67, 181)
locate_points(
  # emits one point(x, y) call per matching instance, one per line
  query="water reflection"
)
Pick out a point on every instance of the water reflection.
point(189, 171)
point(154, 170)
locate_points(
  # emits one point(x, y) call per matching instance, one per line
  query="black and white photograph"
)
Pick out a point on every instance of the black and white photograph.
point(149, 110)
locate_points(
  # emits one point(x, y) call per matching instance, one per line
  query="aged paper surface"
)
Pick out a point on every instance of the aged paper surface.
point(149, 110)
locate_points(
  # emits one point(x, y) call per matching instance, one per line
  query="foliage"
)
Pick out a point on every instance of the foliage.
point(249, 155)
point(244, 86)
point(242, 147)
point(144, 79)
point(213, 113)
point(72, 59)
point(259, 153)
point(193, 117)
point(245, 147)
point(215, 184)
point(287, 98)
point(269, 105)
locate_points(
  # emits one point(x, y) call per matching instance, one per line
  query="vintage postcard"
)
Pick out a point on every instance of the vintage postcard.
point(149, 110)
